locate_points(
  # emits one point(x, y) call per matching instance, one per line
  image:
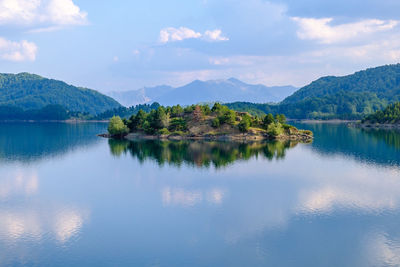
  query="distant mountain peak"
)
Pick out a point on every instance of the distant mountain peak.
point(234, 80)
point(197, 91)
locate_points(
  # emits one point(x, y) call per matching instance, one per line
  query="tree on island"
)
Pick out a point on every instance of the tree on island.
point(116, 127)
point(280, 118)
point(135, 122)
point(268, 119)
point(245, 123)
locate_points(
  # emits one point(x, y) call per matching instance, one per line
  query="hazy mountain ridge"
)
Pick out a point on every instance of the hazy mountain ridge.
point(140, 96)
point(30, 91)
point(205, 91)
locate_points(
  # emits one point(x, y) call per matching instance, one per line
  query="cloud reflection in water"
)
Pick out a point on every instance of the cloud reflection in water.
point(188, 198)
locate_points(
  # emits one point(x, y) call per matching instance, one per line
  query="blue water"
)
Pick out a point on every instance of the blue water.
point(70, 198)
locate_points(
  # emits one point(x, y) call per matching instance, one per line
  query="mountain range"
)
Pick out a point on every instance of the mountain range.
point(223, 91)
point(348, 97)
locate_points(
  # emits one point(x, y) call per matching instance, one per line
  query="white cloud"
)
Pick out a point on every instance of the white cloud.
point(218, 61)
point(321, 30)
point(65, 12)
point(215, 35)
point(37, 13)
point(17, 51)
point(171, 34)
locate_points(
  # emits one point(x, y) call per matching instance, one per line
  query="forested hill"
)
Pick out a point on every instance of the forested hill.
point(383, 81)
point(29, 91)
point(390, 115)
point(348, 97)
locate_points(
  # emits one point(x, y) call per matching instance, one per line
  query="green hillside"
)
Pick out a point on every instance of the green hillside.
point(383, 81)
point(390, 115)
point(29, 91)
point(348, 97)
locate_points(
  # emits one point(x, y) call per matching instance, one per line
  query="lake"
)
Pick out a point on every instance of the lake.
point(70, 198)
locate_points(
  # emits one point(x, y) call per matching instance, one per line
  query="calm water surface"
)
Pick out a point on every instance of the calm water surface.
point(70, 198)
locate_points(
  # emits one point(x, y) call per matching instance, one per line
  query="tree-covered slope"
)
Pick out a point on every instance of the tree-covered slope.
point(349, 97)
point(343, 105)
point(390, 115)
point(383, 81)
point(29, 91)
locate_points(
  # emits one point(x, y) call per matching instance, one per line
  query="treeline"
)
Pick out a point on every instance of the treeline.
point(125, 112)
point(342, 105)
point(390, 115)
point(49, 112)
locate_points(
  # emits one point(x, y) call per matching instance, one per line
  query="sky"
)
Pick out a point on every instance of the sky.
point(124, 45)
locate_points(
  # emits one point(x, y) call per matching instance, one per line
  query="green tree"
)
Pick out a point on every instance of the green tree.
point(159, 119)
point(206, 110)
point(275, 129)
point(215, 123)
point(244, 124)
point(147, 128)
point(268, 119)
point(281, 118)
point(178, 124)
point(136, 121)
point(228, 117)
point(116, 127)
point(217, 107)
point(176, 111)
point(163, 131)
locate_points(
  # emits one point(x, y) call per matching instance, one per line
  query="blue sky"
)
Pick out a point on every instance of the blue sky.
point(124, 45)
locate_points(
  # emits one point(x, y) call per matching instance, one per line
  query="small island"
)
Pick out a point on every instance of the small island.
point(201, 122)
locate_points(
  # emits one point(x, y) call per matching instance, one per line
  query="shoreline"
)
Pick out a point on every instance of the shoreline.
point(385, 126)
point(223, 137)
point(333, 121)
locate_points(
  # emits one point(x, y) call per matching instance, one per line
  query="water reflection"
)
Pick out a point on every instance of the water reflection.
point(34, 223)
point(189, 198)
point(18, 182)
point(26, 142)
point(378, 146)
point(199, 153)
point(318, 205)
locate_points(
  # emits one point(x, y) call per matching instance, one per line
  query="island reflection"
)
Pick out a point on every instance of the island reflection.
point(199, 153)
